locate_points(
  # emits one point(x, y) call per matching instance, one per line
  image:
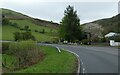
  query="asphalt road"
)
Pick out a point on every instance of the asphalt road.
point(95, 59)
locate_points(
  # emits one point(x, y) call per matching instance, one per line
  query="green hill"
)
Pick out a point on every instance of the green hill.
point(35, 26)
point(108, 24)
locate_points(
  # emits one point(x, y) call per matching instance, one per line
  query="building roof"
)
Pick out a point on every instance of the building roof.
point(111, 34)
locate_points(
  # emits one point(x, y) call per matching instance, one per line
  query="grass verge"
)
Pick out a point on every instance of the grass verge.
point(54, 62)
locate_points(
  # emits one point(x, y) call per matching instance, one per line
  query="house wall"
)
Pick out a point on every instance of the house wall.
point(113, 43)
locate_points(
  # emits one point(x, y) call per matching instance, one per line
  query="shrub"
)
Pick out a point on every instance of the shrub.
point(26, 28)
point(5, 21)
point(103, 40)
point(15, 25)
point(55, 40)
point(23, 36)
point(18, 27)
point(27, 52)
point(17, 36)
point(5, 46)
point(85, 41)
point(117, 38)
point(21, 29)
point(43, 31)
point(95, 39)
point(36, 30)
point(27, 36)
point(29, 29)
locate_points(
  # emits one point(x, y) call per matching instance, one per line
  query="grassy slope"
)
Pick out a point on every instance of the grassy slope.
point(31, 25)
point(109, 24)
point(7, 33)
point(54, 62)
point(9, 30)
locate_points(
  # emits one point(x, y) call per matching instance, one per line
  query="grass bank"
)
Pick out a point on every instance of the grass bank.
point(54, 62)
point(8, 30)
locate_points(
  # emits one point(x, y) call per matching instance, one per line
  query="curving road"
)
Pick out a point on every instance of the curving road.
point(95, 59)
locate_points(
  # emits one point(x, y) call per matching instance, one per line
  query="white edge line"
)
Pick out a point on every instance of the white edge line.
point(58, 49)
point(83, 70)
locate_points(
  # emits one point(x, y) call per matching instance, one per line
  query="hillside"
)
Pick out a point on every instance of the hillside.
point(105, 25)
point(13, 15)
point(35, 26)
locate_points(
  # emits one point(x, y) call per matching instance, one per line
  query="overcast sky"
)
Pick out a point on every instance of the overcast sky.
point(54, 11)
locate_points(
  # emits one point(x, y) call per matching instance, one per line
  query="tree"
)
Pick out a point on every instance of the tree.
point(23, 36)
point(70, 26)
point(5, 21)
point(26, 28)
point(17, 36)
point(94, 32)
point(43, 31)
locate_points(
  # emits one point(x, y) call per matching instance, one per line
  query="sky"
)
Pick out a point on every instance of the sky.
point(51, 10)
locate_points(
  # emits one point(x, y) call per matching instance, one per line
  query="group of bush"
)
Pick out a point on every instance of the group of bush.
point(41, 31)
point(26, 28)
point(27, 53)
point(23, 36)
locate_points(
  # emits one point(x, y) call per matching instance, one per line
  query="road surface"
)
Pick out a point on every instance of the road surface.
point(95, 59)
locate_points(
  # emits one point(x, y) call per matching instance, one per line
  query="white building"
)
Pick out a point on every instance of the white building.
point(111, 34)
point(112, 42)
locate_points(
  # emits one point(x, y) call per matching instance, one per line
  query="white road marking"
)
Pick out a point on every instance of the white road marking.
point(83, 70)
point(58, 49)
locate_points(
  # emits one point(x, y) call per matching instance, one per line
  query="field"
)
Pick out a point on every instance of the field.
point(32, 26)
point(54, 62)
point(7, 31)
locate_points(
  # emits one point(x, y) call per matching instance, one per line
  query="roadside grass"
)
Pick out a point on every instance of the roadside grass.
point(9, 61)
point(20, 55)
point(54, 62)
